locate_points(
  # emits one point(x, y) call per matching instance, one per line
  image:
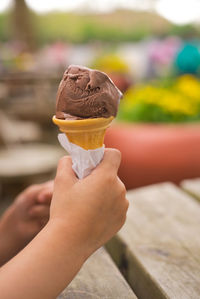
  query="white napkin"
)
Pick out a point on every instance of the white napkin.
point(83, 161)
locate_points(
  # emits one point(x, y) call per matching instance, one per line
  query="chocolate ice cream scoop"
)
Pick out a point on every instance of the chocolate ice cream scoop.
point(86, 93)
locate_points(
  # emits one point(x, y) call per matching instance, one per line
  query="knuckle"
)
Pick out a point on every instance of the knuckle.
point(111, 179)
point(123, 210)
point(49, 184)
point(113, 154)
point(121, 188)
point(116, 154)
point(114, 151)
point(32, 188)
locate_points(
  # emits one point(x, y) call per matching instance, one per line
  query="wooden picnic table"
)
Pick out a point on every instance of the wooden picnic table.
point(99, 278)
point(157, 250)
point(160, 242)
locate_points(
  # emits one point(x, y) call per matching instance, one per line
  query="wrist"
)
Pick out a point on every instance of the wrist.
point(69, 235)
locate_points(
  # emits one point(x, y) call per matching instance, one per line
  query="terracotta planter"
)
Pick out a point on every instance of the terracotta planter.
point(156, 153)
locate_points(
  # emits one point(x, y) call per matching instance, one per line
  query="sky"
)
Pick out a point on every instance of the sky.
point(176, 11)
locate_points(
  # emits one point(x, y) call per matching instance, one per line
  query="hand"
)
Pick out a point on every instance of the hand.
point(30, 211)
point(84, 214)
point(95, 207)
point(24, 219)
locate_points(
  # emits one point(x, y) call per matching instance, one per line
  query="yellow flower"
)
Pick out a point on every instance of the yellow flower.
point(176, 103)
point(111, 63)
point(189, 86)
point(181, 98)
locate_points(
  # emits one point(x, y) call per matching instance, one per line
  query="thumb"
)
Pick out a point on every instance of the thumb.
point(65, 176)
point(110, 162)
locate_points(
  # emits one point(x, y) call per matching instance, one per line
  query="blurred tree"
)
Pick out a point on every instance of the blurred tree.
point(22, 24)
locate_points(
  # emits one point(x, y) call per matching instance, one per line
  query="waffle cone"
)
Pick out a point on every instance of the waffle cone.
point(86, 133)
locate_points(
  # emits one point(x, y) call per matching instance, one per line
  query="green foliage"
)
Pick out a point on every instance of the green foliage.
point(5, 33)
point(80, 29)
point(149, 113)
point(184, 31)
point(120, 26)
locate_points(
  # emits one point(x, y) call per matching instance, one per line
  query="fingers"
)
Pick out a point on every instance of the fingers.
point(110, 163)
point(30, 194)
point(39, 211)
point(49, 184)
point(65, 176)
point(45, 191)
point(111, 159)
point(45, 195)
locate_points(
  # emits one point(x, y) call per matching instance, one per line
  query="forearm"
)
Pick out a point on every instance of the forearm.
point(10, 242)
point(9, 247)
point(48, 263)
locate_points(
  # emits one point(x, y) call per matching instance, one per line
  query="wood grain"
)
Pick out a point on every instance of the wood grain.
point(192, 187)
point(161, 241)
point(99, 278)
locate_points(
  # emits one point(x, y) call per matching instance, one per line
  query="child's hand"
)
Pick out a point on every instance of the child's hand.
point(24, 219)
point(95, 207)
point(29, 212)
point(84, 214)
point(30, 209)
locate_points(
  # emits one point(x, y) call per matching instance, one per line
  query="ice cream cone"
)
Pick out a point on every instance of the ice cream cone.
point(86, 133)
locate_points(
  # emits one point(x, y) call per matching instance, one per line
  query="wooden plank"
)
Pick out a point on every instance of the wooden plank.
point(192, 187)
point(161, 241)
point(99, 278)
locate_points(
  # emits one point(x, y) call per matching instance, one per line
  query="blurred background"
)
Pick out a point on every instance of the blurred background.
point(150, 49)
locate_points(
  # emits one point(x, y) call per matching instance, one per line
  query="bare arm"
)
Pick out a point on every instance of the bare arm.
point(44, 267)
